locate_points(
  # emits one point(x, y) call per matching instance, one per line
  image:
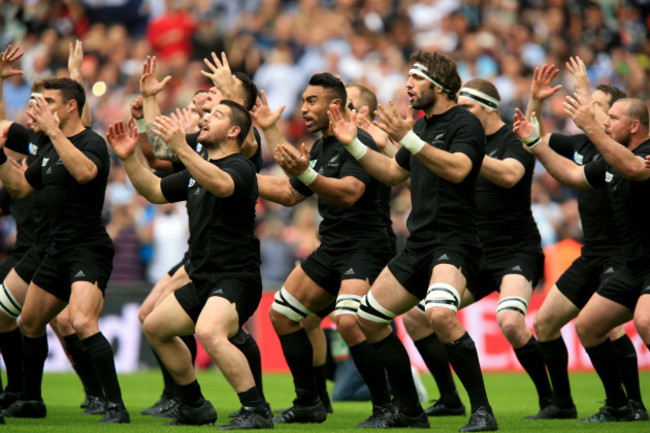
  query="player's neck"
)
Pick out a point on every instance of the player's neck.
point(493, 125)
point(223, 150)
point(442, 105)
point(72, 127)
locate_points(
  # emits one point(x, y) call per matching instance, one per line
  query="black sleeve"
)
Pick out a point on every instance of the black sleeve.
point(18, 138)
point(242, 173)
point(515, 150)
point(95, 150)
point(33, 173)
point(563, 144)
point(403, 158)
point(469, 138)
point(595, 173)
point(257, 158)
point(174, 186)
point(5, 201)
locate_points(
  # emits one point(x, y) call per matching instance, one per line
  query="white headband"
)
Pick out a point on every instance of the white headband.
point(422, 71)
point(482, 98)
point(34, 95)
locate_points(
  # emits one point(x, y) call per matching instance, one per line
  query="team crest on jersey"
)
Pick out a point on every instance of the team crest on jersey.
point(45, 161)
point(609, 177)
point(191, 183)
point(199, 147)
point(578, 158)
point(32, 148)
point(312, 163)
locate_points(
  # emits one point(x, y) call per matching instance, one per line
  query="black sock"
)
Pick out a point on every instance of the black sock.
point(35, 353)
point(603, 358)
point(299, 356)
point(11, 347)
point(556, 359)
point(190, 394)
point(530, 357)
point(398, 365)
point(464, 359)
point(169, 385)
point(190, 342)
point(434, 354)
point(252, 398)
point(83, 366)
point(629, 367)
point(372, 371)
point(320, 376)
point(248, 346)
point(101, 356)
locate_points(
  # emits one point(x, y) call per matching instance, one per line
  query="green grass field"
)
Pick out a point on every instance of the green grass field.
point(512, 396)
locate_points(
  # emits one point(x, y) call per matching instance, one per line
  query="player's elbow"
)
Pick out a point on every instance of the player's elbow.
point(87, 175)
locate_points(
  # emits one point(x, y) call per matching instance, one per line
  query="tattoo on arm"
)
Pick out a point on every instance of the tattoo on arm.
point(159, 147)
point(295, 195)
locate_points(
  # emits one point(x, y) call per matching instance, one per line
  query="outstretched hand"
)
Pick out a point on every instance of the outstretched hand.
point(541, 87)
point(521, 126)
point(580, 110)
point(390, 121)
point(220, 74)
point(75, 59)
point(122, 141)
point(263, 115)
point(171, 130)
point(578, 70)
point(41, 114)
point(343, 129)
point(149, 84)
point(291, 160)
point(7, 58)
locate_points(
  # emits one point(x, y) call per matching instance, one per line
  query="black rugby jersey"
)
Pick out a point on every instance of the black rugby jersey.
point(442, 210)
point(600, 232)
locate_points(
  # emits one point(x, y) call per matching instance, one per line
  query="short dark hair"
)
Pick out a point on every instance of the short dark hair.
point(332, 84)
point(441, 68)
point(250, 89)
point(483, 86)
point(367, 96)
point(239, 116)
point(614, 92)
point(637, 110)
point(70, 90)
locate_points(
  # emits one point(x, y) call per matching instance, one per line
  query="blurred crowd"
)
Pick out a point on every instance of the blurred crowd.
point(280, 43)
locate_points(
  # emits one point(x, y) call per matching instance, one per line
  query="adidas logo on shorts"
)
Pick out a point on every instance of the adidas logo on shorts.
point(517, 268)
point(443, 257)
point(349, 272)
point(80, 274)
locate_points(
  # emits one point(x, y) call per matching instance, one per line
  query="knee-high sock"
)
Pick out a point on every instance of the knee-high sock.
point(248, 346)
point(398, 365)
point(556, 359)
point(372, 371)
point(191, 394)
point(299, 356)
point(464, 359)
point(35, 352)
point(603, 358)
point(11, 347)
point(629, 365)
point(530, 357)
point(83, 366)
point(320, 378)
point(102, 358)
point(434, 354)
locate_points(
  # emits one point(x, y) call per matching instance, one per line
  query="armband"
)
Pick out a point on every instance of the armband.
point(357, 149)
point(412, 142)
point(308, 176)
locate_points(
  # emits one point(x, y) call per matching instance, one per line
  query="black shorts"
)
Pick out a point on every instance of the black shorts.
point(412, 267)
point(326, 311)
point(29, 263)
point(184, 262)
point(8, 265)
point(528, 264)
point(624, 288)
point(328, 267)
point(57, 272)
point(244, 292)
point(581, 280)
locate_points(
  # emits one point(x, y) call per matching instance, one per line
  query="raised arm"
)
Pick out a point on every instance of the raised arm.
point(143, 180)
point(506, 173)
point(211, 177)
point(142, 142)
point(562, 169)
point(75, 59)
point(7, 58)
point(541, 88)
point(343, 192)
point(617, 155)
point(581, 86)
point(267, 120)
point(221, 76)
point(150, 86)
point(80, 167)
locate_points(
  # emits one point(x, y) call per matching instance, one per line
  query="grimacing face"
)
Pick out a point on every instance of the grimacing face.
point(315, 103)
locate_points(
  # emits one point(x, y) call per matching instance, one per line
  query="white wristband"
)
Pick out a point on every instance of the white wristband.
point(534, 138)
point(357, 148)
point(308, 176)
point(140, 124)
point(412, 142)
